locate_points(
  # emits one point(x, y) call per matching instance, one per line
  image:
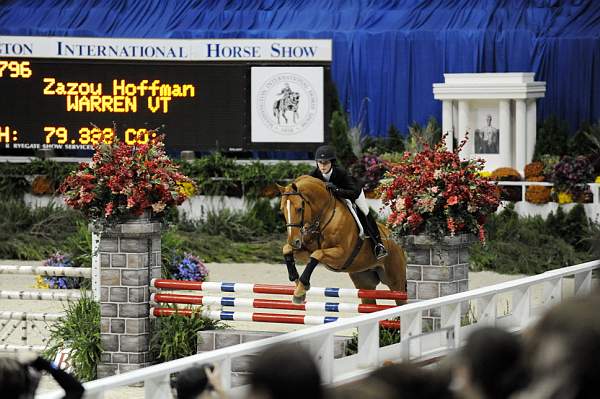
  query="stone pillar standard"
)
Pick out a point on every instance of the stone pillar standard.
point(129, 258)
point(436, 269)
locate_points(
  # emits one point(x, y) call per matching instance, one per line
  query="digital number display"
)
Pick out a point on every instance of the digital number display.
point(69, 105)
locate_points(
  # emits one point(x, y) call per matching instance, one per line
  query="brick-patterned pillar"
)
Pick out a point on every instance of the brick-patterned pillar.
point(129, 257)
point(436, 269)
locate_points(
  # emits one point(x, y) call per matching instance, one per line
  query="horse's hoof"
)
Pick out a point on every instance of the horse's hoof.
point(298, 300)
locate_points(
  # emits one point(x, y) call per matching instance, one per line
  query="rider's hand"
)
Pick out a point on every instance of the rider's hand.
point(331, 186)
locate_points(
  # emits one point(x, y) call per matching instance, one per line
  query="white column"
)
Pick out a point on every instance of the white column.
point(504, 125)
point(463, 122)
point(531, 128)
point(520, 135)
point(447, 123)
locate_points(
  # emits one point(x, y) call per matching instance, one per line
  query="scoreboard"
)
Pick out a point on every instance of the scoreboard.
point(70, 104)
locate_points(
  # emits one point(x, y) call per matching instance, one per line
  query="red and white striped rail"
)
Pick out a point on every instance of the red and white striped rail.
point(212, 286)
point(258, 303)
point(259, 317)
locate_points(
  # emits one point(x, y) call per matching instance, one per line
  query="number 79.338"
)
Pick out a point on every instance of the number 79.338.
point(95, 135)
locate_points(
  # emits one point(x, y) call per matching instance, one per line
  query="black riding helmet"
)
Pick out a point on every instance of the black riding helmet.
point(325, 153)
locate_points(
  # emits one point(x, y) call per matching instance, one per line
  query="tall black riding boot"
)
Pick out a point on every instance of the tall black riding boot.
point(378, 247)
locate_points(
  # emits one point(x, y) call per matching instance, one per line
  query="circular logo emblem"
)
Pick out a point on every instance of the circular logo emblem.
point(287, 103)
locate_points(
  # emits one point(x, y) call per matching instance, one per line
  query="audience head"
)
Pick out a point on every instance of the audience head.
point(491, 364)
point(407, 380)
point(563, 351)
point(285, 371)
point(192, 382)
point(17, 380)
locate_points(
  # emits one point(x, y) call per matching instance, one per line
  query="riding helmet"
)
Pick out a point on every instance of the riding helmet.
point(325, 153)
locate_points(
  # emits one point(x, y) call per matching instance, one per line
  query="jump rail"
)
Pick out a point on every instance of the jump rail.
point(47, 270)
point(218, 286)
point(415, 344)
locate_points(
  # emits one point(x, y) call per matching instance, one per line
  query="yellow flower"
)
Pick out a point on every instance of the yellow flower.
point(40, 283)
point(485, 173)
point(597, 179)
point(564, 198)
point(186, 188)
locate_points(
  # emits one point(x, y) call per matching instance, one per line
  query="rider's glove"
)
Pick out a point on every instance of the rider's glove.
point(331, 186)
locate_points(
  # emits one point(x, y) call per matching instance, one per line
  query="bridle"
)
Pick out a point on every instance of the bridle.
point(314, 227)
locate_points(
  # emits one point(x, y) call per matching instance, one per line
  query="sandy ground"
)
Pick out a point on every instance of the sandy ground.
point(243, 273)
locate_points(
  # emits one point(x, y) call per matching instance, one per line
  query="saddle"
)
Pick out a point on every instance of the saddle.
point(359, 218)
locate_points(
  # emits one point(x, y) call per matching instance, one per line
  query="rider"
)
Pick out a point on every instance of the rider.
point(343, 185)
point(285, 92)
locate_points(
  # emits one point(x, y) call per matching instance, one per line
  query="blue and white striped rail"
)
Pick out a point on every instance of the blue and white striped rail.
point(259, 303)
point(212, 286)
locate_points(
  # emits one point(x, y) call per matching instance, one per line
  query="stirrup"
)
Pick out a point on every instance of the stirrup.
point(380, 251)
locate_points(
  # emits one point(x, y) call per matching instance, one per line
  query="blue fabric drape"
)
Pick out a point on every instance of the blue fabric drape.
point(387, 53)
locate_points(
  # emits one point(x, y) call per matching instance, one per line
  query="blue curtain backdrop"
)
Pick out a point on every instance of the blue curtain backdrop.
point(387, 53)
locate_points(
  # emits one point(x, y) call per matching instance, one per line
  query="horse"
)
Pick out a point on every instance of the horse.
point(320, 227)
point(287, 103)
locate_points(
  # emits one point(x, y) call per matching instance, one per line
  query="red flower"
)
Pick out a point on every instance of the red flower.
point(442, 194)
point(125, 180)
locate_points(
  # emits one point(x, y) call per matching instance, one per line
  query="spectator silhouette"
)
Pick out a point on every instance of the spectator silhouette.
point(199, 382)
point(20, 380)
point(563, 352)
point(285, 371)
point(490, 365)
point(407, 380)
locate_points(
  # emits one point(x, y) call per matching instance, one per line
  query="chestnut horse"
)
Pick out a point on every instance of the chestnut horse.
point(321, 228)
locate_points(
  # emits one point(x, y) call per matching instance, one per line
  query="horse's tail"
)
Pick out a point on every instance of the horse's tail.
point(276, 107)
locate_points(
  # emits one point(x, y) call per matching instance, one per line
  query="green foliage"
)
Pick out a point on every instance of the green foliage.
point(551, 138)
point(530, 245)
point(340, 139)
point(14, 176)
point(34, 234)
point(387, 336)
point(79, 330)
point(80, 244)
point(393, 143)
point(418, 136)
point(175, 336)
point(218, 175)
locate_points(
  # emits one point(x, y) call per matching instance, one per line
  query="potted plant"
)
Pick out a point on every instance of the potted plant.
point(124, 181)
point(434, 192)
point(570, 177)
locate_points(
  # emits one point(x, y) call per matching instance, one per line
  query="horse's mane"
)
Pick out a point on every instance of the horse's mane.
point(310, 182)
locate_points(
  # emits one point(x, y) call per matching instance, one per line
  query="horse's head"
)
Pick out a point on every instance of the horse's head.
point(301, 206)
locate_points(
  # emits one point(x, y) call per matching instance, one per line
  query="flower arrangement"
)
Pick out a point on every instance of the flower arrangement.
point(571, 174)
point(190, 267)
point(125, 181)
point(436, 193)
point(57, 260)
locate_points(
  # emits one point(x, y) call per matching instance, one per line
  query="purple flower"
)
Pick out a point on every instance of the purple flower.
point(190, 267)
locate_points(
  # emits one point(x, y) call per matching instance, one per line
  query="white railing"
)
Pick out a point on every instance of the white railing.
point(13, 322)
point(414, 345)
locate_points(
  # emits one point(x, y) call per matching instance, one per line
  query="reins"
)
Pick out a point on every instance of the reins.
point(314, 227)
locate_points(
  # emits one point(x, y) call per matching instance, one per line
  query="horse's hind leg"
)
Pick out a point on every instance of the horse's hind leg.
point(366, 280)
point(394, 273)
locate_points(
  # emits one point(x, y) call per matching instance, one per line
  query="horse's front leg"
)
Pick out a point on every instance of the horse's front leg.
point(290, 263)
point(329, 255)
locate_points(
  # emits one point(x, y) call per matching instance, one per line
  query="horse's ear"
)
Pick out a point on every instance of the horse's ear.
point(280, 188)
point(294, 187)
